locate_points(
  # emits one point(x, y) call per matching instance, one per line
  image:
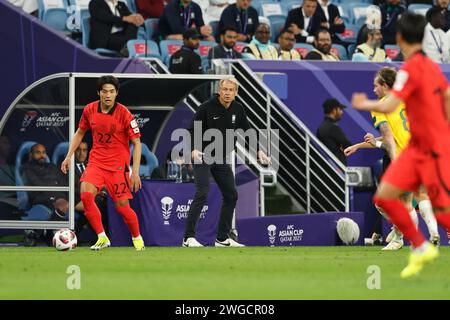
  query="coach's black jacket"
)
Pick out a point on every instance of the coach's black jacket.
point(296, 16)
point(213, 115)
point(102, 21)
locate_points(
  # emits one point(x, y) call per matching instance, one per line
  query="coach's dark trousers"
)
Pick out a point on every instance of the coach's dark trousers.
point(224, 177)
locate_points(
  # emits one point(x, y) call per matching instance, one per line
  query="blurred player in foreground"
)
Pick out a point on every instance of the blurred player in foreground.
point(112, 128)
point(425, 91)
point(394, 128)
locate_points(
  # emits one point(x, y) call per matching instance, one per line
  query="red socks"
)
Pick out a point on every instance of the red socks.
point(130, 218)
point(91, 212)
point(399, 215)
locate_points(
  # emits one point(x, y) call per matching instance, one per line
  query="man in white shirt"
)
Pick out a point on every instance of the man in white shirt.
point(304, 21)
point(435, 41)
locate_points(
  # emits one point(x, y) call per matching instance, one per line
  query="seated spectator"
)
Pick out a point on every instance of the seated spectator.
point(150, 8)
point(225, 49)
point(212, 9)
point(371, 49)
point(286, 40)
point(442, 5)
point(112, 25)
point(322, 47)
point(186, 60)
point(260, 47)
point(435, 41)
point(182, 15)
point(391, 10)
point(305, 21)
point(333, 21)
point(37, 172)
point(329, 132)
point(243, 17)
point(373, 21)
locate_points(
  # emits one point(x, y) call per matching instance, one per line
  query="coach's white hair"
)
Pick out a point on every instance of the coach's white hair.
point(229, 79)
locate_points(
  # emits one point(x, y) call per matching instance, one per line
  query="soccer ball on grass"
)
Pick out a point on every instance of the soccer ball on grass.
point(64, 239)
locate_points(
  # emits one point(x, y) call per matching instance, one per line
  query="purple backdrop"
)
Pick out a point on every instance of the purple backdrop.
point(162, 208)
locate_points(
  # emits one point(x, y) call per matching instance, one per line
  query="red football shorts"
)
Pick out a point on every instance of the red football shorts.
point(117, 182)
point(415, 167)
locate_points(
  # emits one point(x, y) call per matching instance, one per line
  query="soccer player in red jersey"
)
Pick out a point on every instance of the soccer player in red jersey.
point(421, 85)
point(112, 128)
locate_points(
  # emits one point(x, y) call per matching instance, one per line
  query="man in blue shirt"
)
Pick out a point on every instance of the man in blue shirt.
point(180, 16)
point(243, 17)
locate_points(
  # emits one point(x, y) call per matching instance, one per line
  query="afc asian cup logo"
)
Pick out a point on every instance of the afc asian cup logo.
point(166, 206)
point(272, 231)
point(28, 118)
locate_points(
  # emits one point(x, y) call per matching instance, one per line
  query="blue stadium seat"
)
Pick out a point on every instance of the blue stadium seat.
point(270, 8)
point(291, 4)
point(151, 27)
point(340, 51)
point(85, 28)
point(143, 48)
point(131, 4)
point(350, 33)
point(204, 48)
point(276, 25)
point(392, 50)
point(56, 18)
point(215, 29)
point(351, 48)
point(169, 47)
point(303, 48)
point(420, 8)
point(60, 152)
point(44, 5)
point(358, 10)
point(151, 162)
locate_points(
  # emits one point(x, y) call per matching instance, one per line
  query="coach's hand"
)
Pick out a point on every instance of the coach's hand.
point(65, 165)
point(135, 182)
point(263, 158)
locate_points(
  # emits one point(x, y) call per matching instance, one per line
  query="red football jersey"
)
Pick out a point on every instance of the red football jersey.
point(421, 84)
point(111, 135)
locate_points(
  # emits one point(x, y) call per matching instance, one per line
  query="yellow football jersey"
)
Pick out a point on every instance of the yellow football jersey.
point(398, 123)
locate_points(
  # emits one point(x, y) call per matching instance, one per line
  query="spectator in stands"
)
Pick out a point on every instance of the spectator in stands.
point(442, 5)
point(333, 21)
point(305, 21)
point(212, 9)
point(225, 49)
point(322, 47)
point(373, 21)
point(180, 16)
point(329, 133)
point(243, 17)
point(29, 6)
point(371, 49)
point(286, 51)
point(260, 47)
point(435, 41)
point(186, 60)
point(150, 8)
point(37, 172)
point(391, 10)
point(112, 25)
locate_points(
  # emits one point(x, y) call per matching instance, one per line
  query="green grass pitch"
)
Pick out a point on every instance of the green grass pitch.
point(218, 273)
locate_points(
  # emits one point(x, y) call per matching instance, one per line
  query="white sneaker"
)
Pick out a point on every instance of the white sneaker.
point(192, 242)
point(228, 243)
point(391, 235)
point(394, 245)
point(435, 239)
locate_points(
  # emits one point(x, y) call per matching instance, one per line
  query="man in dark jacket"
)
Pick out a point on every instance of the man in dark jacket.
point(334, 22)
point(222, 113)
point(391, 11)
point(329, 133)
point(180, 16)
point(442, 5)
point(243, 17)
point(304, 21)
point(224, 50)
point(112, 25)
point(186, 60)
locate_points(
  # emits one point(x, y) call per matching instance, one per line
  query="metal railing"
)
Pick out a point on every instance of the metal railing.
point(307, 170)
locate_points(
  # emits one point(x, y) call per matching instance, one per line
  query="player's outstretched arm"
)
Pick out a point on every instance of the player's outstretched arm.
point(76, 140)
point(388, 105)
point(135, 179)
point(352, 149)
